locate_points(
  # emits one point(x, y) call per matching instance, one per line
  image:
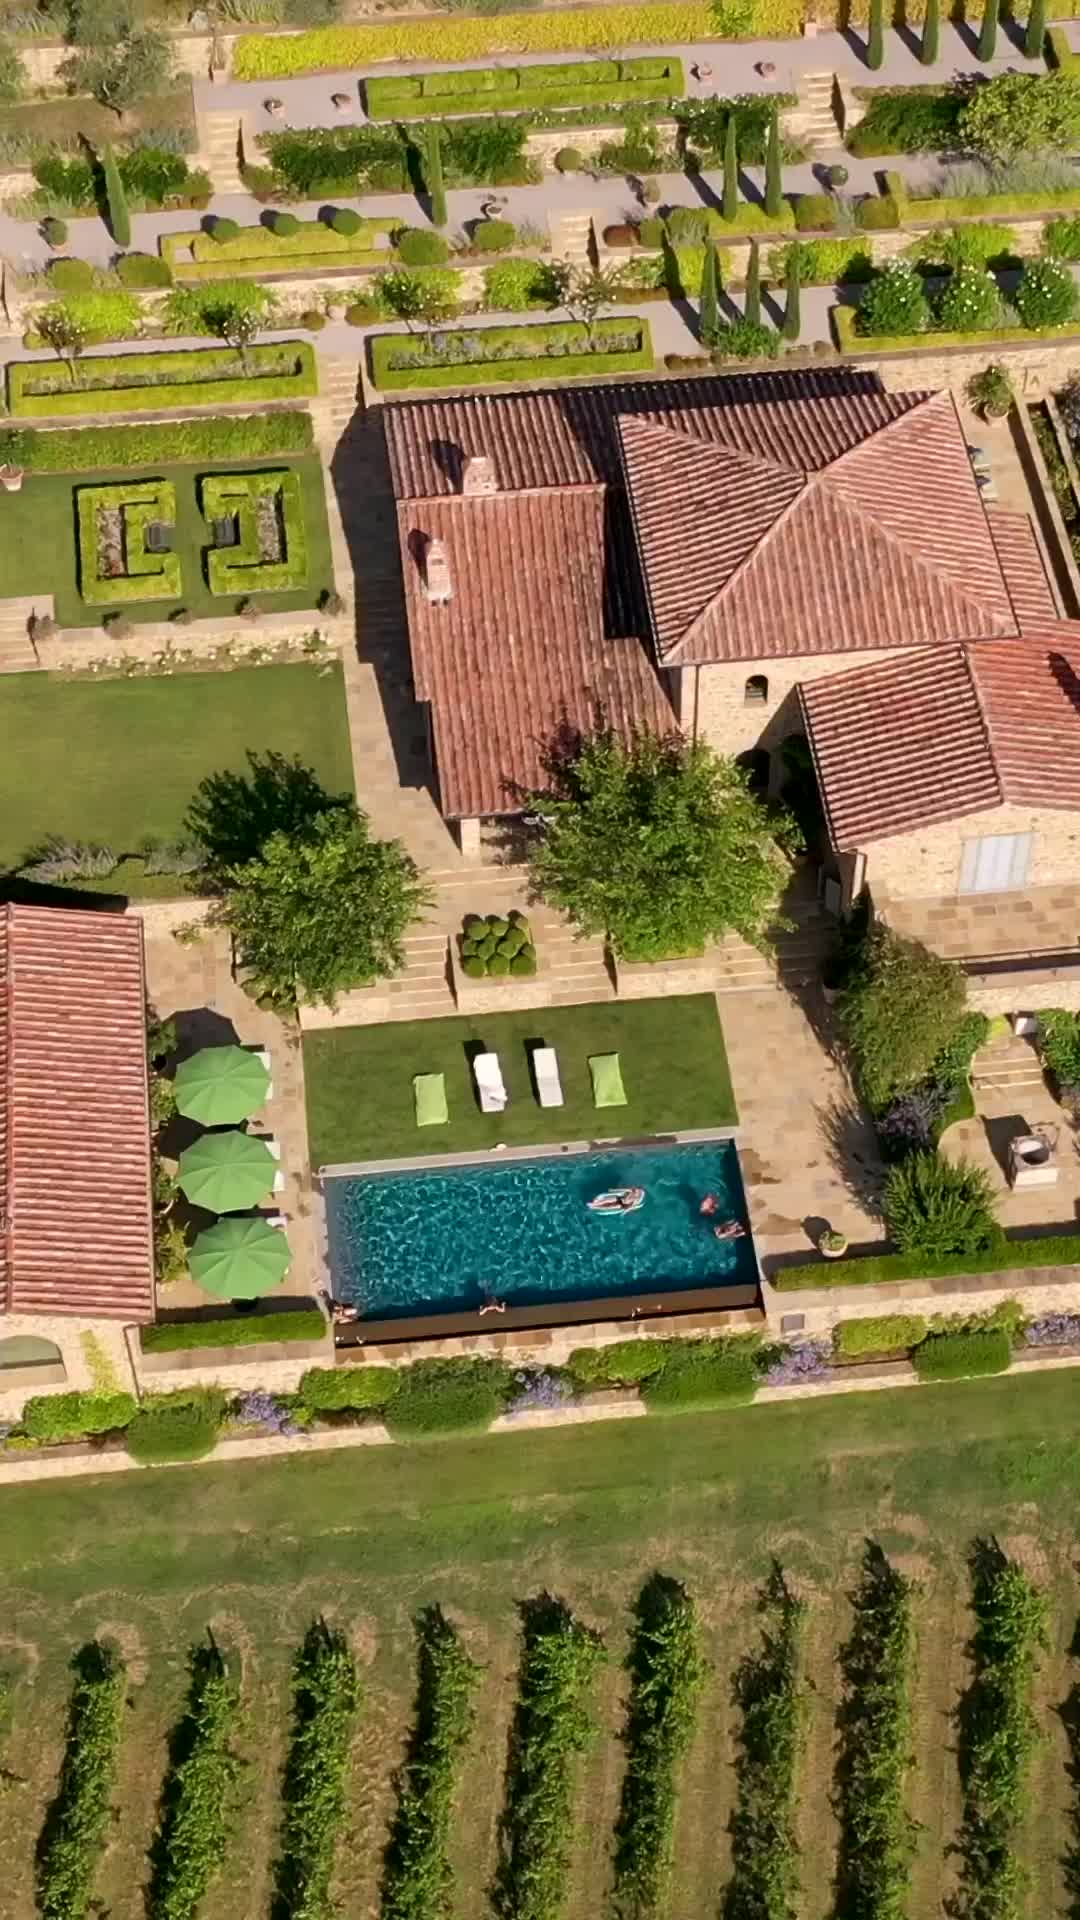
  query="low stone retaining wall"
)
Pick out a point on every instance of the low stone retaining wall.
point(814, 1312)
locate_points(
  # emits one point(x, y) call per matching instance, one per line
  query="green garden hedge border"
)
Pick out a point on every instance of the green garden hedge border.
point(536, 366)
point(238, 570)
point(244, 1330)
point(149, 576)
point(468, 90)
point(253, 436)
point(200, 376)
point(850, 341)
point(876, 1269)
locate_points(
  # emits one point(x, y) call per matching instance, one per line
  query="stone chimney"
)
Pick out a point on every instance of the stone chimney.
point(437, 585)
point(478, 475)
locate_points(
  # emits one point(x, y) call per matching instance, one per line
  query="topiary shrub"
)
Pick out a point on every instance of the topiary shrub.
point(881, 1333)
point(361, 313)
point(72, 1416)
point(312, 320)
point(222, 228)
point(493, 236)
point(285, 225)
point(651, 232)
point(54, 231)
point(513, 941)
point(71, 276)
point(492, 945)
point(331, 603)
point(961, 1356)
point(474, 925)
point(184, 1429)
point(473, 966)
point(420, 247)
point(702, 1374)
point(143, 270)
point(448, 1396)
point(498, 966)
point(877, 214)
point(1046, 295)
point(344, 220)
point(815, 213)
point(937, 1208)
point(359, 1389)
point(969, 302)
point(568, 160)
point(524, 963)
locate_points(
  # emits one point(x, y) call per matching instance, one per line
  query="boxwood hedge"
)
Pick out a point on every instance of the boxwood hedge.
point(549, 349)
point(448, 1396)
point(962, 1355)
point(95, 449)
point(1054, 1250)
point(239, 1330)
point(151, 382)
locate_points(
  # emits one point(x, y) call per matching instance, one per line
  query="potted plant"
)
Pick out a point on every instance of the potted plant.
point(833, 1245)
point(990, 392)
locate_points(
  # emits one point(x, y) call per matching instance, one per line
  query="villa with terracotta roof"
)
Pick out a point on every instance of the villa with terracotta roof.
point(76, 1230)
point(749, 558)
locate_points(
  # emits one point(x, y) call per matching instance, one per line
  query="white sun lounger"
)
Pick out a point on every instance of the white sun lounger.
point(548, 1085)
point(489, 1082)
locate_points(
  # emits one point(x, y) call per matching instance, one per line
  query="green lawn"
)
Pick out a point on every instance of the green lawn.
point(360, 1093)
point(38, 553)
point(255, 1550)
point(117, 761)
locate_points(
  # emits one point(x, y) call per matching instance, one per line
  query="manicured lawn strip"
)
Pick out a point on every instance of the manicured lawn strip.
point(1054, 1250)
point(608, 83)
point(150, 382)
point(360, 1093)
point(251, 436)
point(118, 760)
point(38, 553)
point(537, 365)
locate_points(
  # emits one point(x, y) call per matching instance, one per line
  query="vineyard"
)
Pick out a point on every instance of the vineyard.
point(818, 1660)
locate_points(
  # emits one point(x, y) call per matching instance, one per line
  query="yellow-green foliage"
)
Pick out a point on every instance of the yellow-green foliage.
point(881, 1333)
point(261, 56)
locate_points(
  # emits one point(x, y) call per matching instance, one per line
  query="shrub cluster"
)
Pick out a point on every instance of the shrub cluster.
point(698, 1374)
point(666, 1675)
point(326, 1696)
point(963, 1355)
point(418, 1878)
point(908, 120)
point(770, 1698)
point(937, 1208)
point(900, 1008)
point(73, 1416)
point(998, 1734)
point(493, 947)
point(78, 1822)
point(624, 1364)
point(191, 1842)
point(1059, 1048)
point(447, 1396)
point(880, 1333)
point(877, 1833)
point(308, 163)
point(176, 1426)
point(552, 1725)
point(348, 1389)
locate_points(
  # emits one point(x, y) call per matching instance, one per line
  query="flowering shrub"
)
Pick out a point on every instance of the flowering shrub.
point(807, 1361)
point(539, 1390)
point(259, 1409)
point(895, 302)
point(1046, 295)
point(1053, 1330)
point(909, 1122)
point(969, 301)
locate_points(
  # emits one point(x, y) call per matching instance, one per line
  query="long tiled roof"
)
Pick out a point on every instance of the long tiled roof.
point(518, 655)
point(75, 1222)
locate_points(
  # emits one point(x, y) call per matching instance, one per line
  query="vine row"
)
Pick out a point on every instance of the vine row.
point(194, 1826)
point(326, 1696)
point(77, 1824)
point(666, 1675)
point(418, 1883)
point(771, 1699)
point(877, 1834)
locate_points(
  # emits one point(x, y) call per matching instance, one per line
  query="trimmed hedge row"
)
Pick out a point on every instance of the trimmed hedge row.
point(849, 340)
point(151, 382)
point(608, 83)
point(149, 576)
point(239, 569)
point(314, 247)
point(1056, 1250)
point(326, 1697)
point(243, 1330)
point(192, 1840)
point(260, 56)
point(535, 365)
point(667, 1672)
point(80, 1818)
point(96, 449)
point(75, 1415)
point(964, 1354)
point(881, 1333)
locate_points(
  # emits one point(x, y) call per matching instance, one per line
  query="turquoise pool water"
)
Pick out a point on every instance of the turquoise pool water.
point(440, 1241)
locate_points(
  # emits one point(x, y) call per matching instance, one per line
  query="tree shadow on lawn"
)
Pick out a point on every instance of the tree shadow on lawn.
point(234, 814)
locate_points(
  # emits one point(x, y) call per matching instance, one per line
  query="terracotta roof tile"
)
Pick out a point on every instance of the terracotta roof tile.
point(519, 651)
point(75, 1223)
point(1022, 563)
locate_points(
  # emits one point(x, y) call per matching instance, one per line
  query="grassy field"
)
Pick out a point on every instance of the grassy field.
point(39, 552)
point(255, 1550)
point(117, 761)
point(360, 1079)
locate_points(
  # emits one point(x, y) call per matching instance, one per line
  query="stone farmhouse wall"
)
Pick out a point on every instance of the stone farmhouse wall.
point(712, 701)
point(926, 864)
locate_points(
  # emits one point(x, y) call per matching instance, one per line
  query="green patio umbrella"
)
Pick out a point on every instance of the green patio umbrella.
point(240, 1259)
point(227, 1172)
point(221, 1085)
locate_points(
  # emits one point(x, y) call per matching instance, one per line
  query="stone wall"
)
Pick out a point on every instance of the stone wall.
point(1045, 1290)
point(712, 700)
point(926, 864)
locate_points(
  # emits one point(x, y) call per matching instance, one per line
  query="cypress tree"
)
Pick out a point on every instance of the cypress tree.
point(731, 169)
point(116, 198)
point(774, 197)
point(434, 171)
point(753, 286)
point(988, 30)
point(931, 35)
point(792, 306)
point(1036, 30)
point(875, 42)
point(709, 311)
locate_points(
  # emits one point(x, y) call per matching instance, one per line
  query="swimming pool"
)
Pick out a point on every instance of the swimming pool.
point(441, 1241)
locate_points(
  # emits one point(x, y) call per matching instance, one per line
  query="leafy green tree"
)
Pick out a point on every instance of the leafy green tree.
point(793, 292)
point(875, 39)
point(659, 845)
point(212, 309)
point(433, 175)
point(64, 333)
point(989, 30)
point(115, 198)
point(731, 169)
point(585, 292)
point(899, 1010)
point(752, 306)
point(120, 72)
point(416, 301)
point(320, 909)
point(939, 1208)
point(774, 186)
point(1035, 32)
point(709, 312)
point(1022, 113)
point(931, 34)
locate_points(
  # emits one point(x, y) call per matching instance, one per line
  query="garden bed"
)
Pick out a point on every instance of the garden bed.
point(849, 340)
point(556, 350)
point(92, 449)
point(151, 382)
point(873, 1270)
point(608, 83)
point(314, 247)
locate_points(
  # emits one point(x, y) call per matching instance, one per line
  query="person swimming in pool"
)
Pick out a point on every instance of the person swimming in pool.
point(730, 1230)
point(710, 1204)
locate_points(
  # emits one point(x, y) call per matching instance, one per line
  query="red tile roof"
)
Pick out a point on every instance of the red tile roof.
point(519, 652)
point(76, 1233)
point(938, 735)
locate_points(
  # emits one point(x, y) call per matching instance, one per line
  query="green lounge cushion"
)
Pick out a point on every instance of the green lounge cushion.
point(607, 1086)
point(429, 1094)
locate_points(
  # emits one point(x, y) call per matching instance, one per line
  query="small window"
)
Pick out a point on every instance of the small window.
point(756, 691)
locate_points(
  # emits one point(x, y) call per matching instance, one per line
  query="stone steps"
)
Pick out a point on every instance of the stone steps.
point(573, 238)
point(219, 150)
point(17, 652)
point(812, 121)
point(339, 385)
point(1007, 1063)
